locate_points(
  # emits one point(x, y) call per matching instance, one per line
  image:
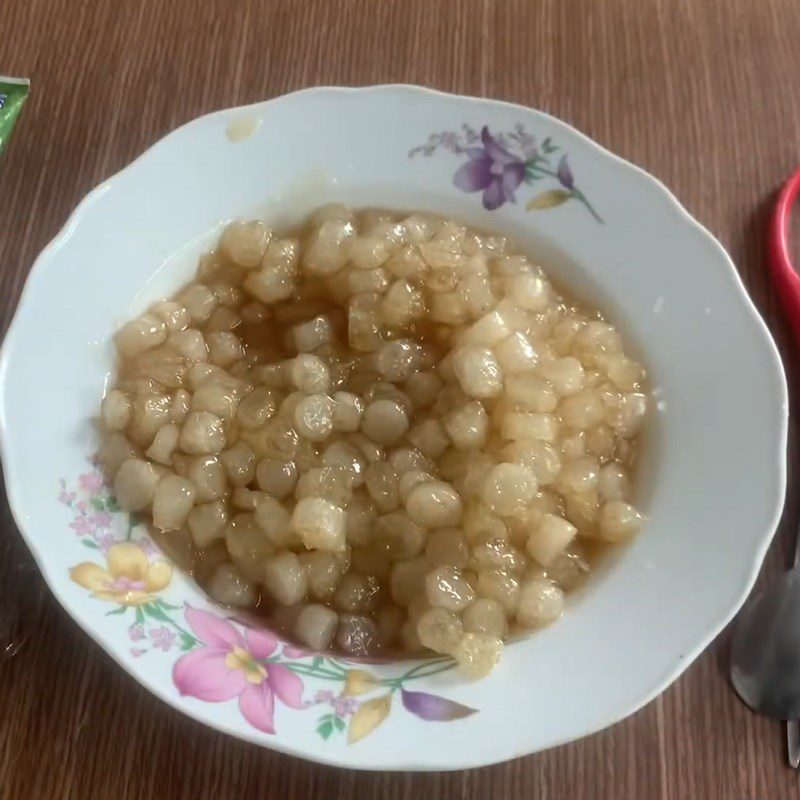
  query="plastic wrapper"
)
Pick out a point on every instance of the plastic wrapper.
point(13, 93)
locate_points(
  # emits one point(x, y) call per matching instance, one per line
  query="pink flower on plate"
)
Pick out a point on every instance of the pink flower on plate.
point(65, 497)
point(231, 664)
point(162, 637)
point(101, 519)
point(136, 633)
point(81, 526)
point(90, 482)
point(82, 506)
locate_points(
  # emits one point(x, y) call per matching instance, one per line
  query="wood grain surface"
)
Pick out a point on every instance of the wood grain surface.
point(704, 94)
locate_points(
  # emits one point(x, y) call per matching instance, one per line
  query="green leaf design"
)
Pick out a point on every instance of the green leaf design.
point(90, 544)
point(325, 729)
point(152, 610)
point(187, 642)
point(165, 604)
point(139, 615)
point(120, 610)
point(548, 146)
point(97, 505)
point(550, 199)
point(317, 662)
point(338, 723)
point(111, 505)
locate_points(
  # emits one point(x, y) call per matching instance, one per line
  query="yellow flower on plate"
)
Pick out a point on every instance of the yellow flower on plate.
point(358, 681)
point(368, 717)
point(129, 579)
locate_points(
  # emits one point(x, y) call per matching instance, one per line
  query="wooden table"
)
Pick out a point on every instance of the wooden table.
point(705, 95)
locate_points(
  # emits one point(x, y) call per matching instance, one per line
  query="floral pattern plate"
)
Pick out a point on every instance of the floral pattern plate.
point(599, 225)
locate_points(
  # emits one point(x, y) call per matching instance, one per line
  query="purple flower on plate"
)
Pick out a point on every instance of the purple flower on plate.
point(491, 169)
point(564, 173)
point(137, 651)
point(91, 482)
point(344, 706)
point(100, 519)
point(81, 526)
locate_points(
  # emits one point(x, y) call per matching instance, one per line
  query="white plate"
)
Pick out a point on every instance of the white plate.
point(713, 473)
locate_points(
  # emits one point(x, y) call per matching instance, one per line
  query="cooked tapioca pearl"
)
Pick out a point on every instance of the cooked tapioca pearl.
point(446, 547)
point(541, 458)
point(367, 253)
point(478, 371)
point(467, 425)
point(223, 319)
point(470, 485)
point(240, 463)
point(162, 365)
point(483, 525)
point(319, 524)
point(530, 392)
point(189, 343)
point(324, 573)
point(573, 445)
point(313, 417)
point(501, 586)
point(516, 353)
point(401, 304)
point(230, 588)
point(582, 509)
point(326, 252)
point(207, 522)
point(423, 388)
point(529, 290)
point(357, 634)
point(419, 227)
point(550, 539)
point(179, 406)
point(135, 484)
point(199, 301)
point(624, 373)
point(618, 520)
point(597, 339)
point(601, 442)
point(384, 421)
point(439, 630)
point(360, 519)
point(540, 602)
point(410, 479)
point(486, 617)
point(583, 410)
point(477, 654)
point(271, 284)
point(401, 537)
point(613, 483)
point(255, 313)
point(248, 546)
point(529, 425)
point(405, 459)
point(578, 475)
point(382, 484)
point(174, 315)
point(357, 593)
point(446, 587)
point(202, 433)
point(429, 437)
point(115, 411)
point(564, 374)
point(489, 330)
point(477, 293)
point(285, 578)
point(570, 568)
point(207, 473)
point(331, 483)
point(449, 308)
point(434, 505)
point(316, 626)
point(397, 360)
point(407, 263)
point(308, 336)
point(201, 373)
point(407, 581)
point(627, 417)
point(257, 407)
point(224, 348)
point(149, 412)
point(139, 335)
point(498, 554)
point(508, 488)
point(217, 398)
point(164, 444)
point(172, 501)
point(309, 374)
point(245, 243)
point(371, 451)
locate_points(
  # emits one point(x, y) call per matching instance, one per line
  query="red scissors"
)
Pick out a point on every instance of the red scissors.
point(787, 284)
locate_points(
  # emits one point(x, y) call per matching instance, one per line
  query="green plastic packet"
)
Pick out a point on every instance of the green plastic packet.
point(13, 93)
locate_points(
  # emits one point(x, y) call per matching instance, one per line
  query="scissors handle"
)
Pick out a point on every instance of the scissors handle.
point(784, 275)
